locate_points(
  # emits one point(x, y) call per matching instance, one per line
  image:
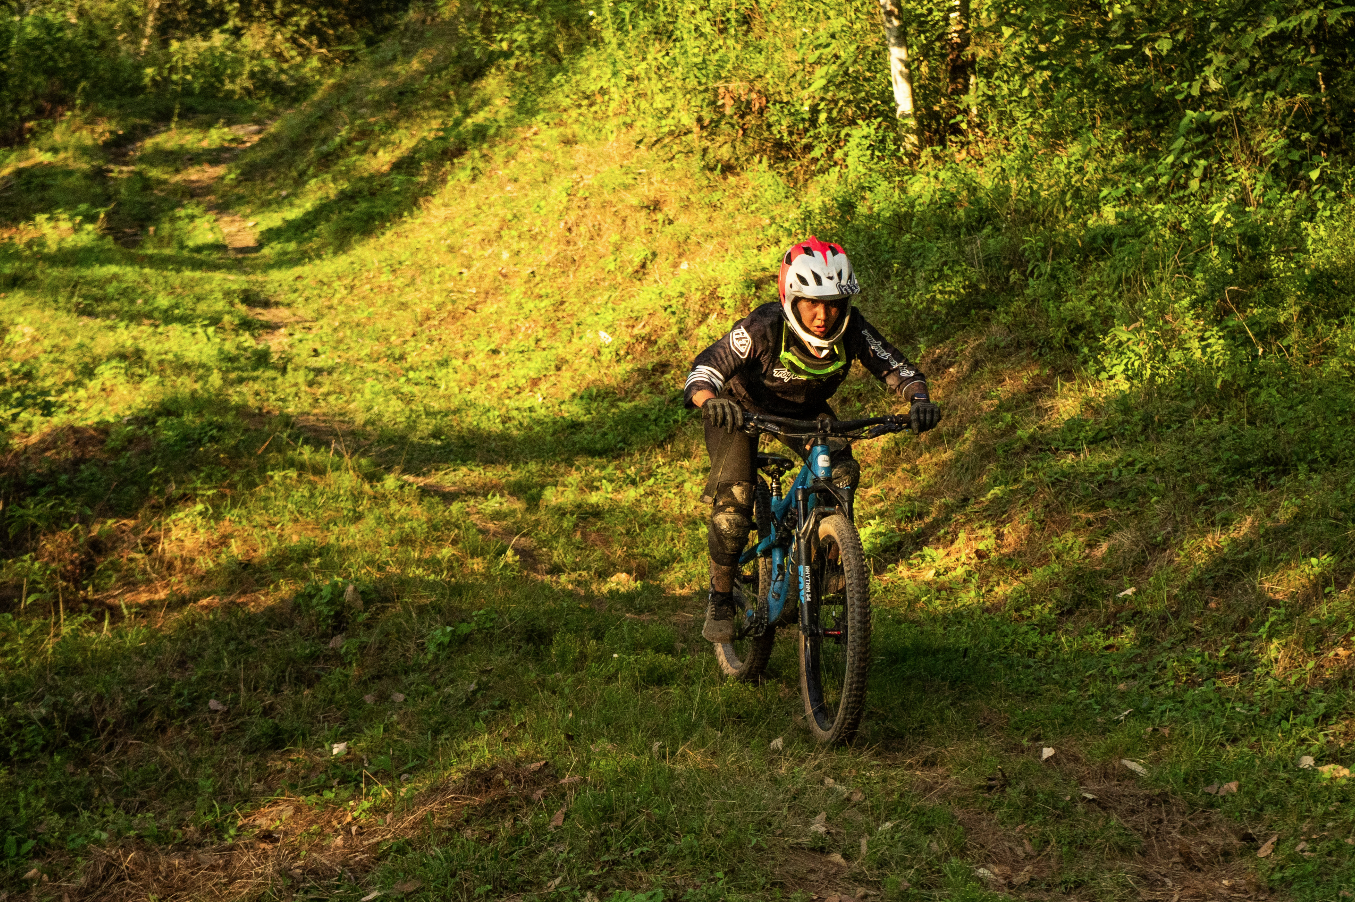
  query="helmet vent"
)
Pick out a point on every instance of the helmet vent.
point(817, 280)
point(808, 249)
point(787, 260)
point(803, 280)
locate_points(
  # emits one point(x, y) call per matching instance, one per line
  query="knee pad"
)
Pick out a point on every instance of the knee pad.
point(730, 521)
point(846, 473)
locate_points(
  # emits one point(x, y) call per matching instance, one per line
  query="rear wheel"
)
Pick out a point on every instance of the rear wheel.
point(746, 659)
point(835, 653)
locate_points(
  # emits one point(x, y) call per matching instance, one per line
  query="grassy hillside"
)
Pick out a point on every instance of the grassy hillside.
point(423, 335)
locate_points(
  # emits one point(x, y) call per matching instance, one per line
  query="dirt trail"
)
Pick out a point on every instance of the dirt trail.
point(240, 236)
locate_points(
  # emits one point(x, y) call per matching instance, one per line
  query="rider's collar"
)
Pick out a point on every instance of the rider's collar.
point(797, 360)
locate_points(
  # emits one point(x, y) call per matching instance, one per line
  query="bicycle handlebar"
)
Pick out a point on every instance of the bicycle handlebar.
point(878, 426)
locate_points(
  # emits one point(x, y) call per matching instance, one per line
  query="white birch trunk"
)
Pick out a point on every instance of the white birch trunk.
point(153, 8)
point(900, 75)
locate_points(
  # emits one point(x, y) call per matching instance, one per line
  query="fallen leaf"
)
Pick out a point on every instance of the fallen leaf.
point(535, 766)
point(885, 826)
point(1046, 753)
point(1134, 766)
point(857, 795)
point(408, 886)
point(538, 795)
point(1307, 762)
point(829, 781)
point(836, 858)
point(1228, 789)
point(570, 781)
point(819, 829)
point(1334, 771)
point(370, 896)
point(984, 874)
point(352, 598)
point(863, 847)
point(1127, 592)
point(338, 748)
point(554, 883)
point(216, 705)
point(1125, 713)
point(397, 697)
point(654, 749)
point(336, 642)
point(33, 874)
point(1030, 850)
point(369, 699)
point(1088, 795)
point(777, 744)
point(1265, 850)
point(821, 817)
point(1212, 789)
point(559, 819)
point(1300, 847)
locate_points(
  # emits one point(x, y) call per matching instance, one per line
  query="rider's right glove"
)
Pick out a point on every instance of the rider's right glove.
point(722, 413)
point(923, 414)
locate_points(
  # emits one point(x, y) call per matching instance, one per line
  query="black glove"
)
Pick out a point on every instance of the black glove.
point(923, 414)
point(722, 413)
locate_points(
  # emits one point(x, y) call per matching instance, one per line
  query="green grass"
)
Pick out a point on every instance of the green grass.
point(408, 390)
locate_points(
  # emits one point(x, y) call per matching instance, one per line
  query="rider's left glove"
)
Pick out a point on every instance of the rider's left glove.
point(722, 413)
point(923, 414)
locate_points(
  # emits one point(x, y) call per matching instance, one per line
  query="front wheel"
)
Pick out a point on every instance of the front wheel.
point(746, 659)
point(835, 650)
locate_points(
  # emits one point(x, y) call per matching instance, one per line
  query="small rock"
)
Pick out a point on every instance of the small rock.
point(1046, 753)
point(1307, 762)
point(338, 748)
point(777, 744)
point(215, 705)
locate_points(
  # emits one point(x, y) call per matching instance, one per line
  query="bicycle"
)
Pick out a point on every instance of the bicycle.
point(807, 536)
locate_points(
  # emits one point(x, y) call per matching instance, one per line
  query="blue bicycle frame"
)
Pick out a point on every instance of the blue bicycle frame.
point(803, 497)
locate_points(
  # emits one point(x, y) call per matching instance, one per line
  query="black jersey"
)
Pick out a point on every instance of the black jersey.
point(746, 363)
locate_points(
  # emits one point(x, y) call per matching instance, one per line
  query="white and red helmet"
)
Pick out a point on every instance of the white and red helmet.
point(819, 271)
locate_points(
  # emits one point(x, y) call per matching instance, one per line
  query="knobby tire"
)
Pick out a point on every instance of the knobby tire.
point(834, 669)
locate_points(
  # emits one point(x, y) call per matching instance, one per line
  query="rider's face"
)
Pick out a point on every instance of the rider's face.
point(818, 317)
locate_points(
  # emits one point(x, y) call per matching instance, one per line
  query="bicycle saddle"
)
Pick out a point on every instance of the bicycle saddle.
point(767, 461)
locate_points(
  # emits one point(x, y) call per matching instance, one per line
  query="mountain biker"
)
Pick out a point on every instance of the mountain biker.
point(786, 360)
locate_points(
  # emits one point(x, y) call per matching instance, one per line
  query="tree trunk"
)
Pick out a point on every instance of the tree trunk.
point(899, 73)
point(960, 66)
point(152, 8)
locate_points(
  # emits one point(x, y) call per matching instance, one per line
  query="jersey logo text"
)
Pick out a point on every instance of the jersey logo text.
point(740, 341)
